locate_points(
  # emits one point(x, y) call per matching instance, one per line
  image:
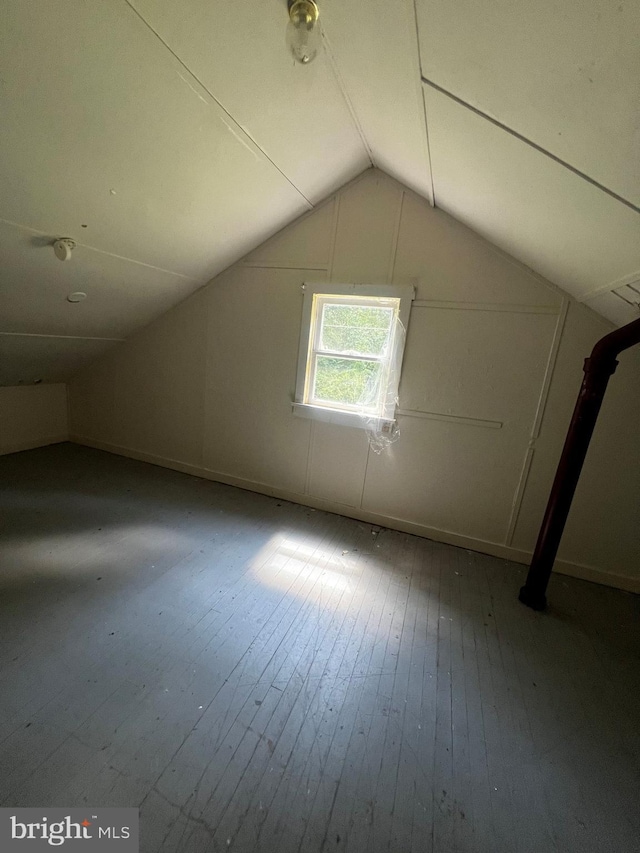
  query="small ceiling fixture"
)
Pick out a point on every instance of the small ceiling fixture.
point(303, 30)
point(63, 248)
point(77, 296)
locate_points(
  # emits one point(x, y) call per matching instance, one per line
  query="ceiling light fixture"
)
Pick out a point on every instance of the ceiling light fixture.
point(63, 248)
point(303, 30)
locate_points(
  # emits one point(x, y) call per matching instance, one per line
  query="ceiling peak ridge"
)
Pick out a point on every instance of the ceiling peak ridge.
point(458, 100)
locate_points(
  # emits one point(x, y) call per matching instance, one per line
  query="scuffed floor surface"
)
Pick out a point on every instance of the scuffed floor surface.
point(257, 676)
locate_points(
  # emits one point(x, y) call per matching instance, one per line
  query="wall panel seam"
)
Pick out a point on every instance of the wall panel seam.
point(268, 266)
point(364, 477)
point(439, 416)
point(310, 448)
point(536, 426)
point(62, 337)
point(396, 237)
point(334, 234)
point(503, 307)
point(550, 368)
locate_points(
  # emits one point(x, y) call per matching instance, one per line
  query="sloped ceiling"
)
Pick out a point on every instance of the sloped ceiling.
point(169, 139)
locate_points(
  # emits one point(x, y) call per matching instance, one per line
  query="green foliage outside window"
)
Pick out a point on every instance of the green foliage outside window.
point(357, 330)
point(342, 380)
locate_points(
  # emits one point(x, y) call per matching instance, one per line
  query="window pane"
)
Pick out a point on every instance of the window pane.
point(343, 380)
point(357, 330)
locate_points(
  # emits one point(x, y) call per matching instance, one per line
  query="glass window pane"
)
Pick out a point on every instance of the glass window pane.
point(355, 329)
point(343, 380)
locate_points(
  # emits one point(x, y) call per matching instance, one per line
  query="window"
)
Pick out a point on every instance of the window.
point(350, 352)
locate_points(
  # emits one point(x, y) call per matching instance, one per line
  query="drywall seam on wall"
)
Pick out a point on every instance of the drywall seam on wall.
point(537, 421)
point(364, 477)
point(482, 546)
point(550, 368)
point(485, 306)
point(518, 496)
point(307, 480)
point(453, 419)
point(267, 266)
point(58, 337)
point(334, 232)
point(396, 235)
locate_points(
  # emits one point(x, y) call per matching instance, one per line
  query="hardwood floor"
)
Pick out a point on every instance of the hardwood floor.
point(258, 676)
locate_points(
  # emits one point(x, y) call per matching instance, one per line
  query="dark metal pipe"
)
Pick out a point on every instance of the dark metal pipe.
point(600, 365)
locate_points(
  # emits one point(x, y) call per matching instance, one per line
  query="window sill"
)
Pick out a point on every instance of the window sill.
point(342, 417)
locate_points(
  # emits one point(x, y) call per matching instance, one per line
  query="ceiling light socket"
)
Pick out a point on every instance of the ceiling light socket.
point(77, 296)
point(63, 248)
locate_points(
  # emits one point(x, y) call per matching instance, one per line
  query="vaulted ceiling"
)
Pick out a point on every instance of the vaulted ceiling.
point(169, 139)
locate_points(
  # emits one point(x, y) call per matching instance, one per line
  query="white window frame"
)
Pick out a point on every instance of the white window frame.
point(348, 415)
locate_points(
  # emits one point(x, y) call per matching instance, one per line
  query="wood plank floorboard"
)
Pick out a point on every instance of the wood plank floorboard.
point(254, 675)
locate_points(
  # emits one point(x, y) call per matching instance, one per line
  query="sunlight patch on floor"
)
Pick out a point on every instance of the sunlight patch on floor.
point(304, 566)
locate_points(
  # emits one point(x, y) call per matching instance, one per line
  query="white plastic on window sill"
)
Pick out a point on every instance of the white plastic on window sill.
point(342, 417)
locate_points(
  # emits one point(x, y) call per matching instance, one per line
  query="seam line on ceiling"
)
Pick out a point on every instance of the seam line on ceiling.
point(424, 104)
point(632, 278)
point(142, 263)
point(345, 95)
point(66, 337)
point(426, 130)
point(531, 144)
point(213, 97)
point(620, 296)
point(47, 234)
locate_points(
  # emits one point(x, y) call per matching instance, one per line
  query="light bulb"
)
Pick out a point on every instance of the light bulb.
point(303, 30)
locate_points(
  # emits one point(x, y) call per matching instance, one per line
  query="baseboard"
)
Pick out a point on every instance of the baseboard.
point(494, 549)
point(32, 443)
point(590, 573)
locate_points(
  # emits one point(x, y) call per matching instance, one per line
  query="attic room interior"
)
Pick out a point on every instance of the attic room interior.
point(307, 315)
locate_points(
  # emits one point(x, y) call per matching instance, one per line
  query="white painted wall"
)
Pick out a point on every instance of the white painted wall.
point(492, 367)
point(32, 416)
